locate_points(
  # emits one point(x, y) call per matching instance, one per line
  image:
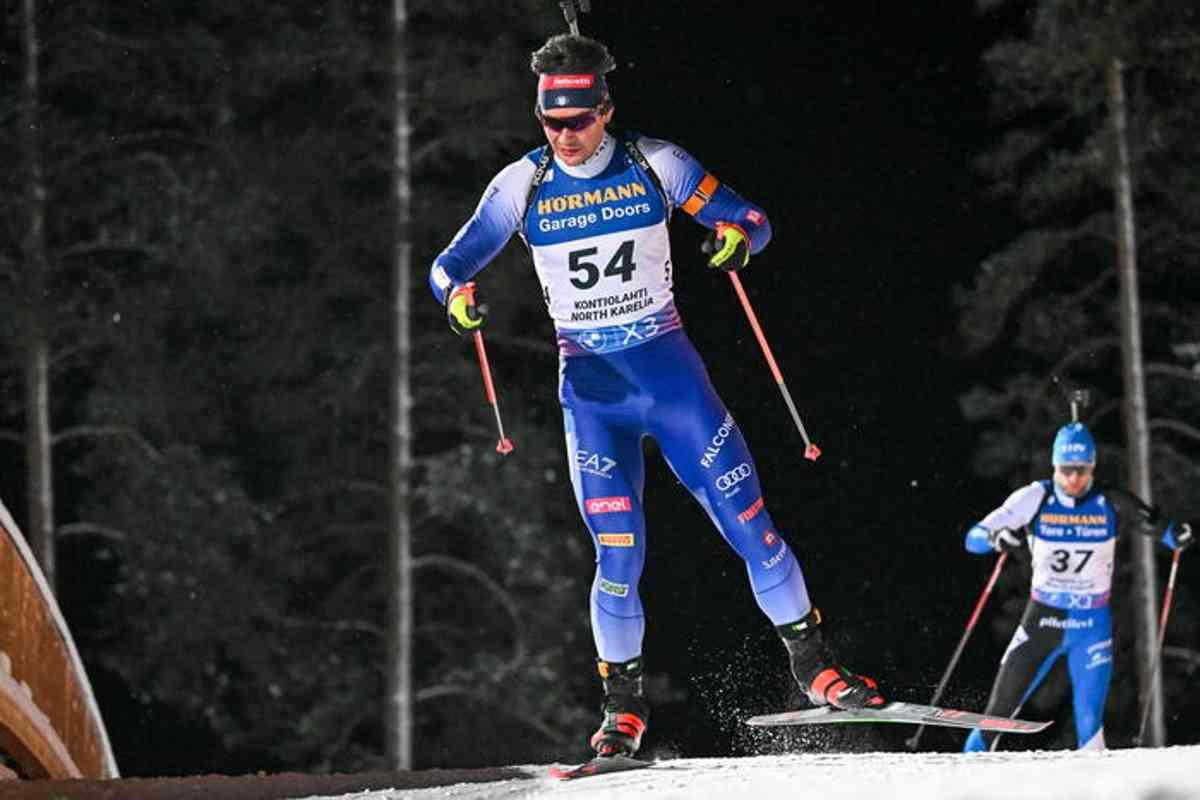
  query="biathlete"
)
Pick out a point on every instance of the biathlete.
point(1068, 526)
point(593, 207)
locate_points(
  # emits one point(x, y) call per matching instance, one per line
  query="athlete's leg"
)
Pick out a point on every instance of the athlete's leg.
point(607, 473)
point(1089, 662)
point(708, 453)
point(1031, 653)
point(603, 438)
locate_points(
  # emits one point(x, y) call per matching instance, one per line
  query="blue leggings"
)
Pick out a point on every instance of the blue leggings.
point(662, 390)
point(1046, 634)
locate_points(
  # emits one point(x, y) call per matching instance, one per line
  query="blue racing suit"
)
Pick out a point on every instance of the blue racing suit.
point(1072, 542)
point(597, 233)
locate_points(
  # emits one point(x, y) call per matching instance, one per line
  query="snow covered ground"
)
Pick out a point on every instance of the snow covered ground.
point(1171, 773)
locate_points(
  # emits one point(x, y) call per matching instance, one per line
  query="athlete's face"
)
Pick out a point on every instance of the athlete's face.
point(574, 133)
point(1074, 479)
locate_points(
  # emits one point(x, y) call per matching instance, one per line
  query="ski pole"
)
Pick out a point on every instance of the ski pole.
point(572, 13)
point(811, 451)
point(962, 643)
point(1168, 597)
point(505, 445)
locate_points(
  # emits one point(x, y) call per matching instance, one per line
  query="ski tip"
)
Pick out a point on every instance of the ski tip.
point(600, 765)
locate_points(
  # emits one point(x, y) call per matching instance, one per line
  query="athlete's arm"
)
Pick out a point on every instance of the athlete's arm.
point(496, 219)
point(1013, 514)
point(701, 195)
point(1147, 520)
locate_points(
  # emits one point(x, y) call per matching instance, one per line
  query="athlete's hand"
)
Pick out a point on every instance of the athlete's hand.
point(1184, 538)
point(462, 312)
point(1004, 540)
point(727, 247)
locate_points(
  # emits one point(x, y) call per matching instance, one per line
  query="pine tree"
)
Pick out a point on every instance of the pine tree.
point(1043, 313)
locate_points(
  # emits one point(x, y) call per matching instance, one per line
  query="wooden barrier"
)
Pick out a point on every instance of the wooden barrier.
point(49, 721)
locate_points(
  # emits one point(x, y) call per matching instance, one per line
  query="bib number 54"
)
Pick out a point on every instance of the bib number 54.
point(620, 265)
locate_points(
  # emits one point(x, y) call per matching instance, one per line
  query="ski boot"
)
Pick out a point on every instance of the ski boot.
point(625, 709)
point(815, 668)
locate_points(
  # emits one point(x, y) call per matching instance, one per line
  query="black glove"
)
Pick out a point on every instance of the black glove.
point(1184, 538)
point(727, 247)
point(1004, 540)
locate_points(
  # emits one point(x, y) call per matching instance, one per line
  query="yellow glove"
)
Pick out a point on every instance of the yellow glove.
point(728, 246)
point(462, 312)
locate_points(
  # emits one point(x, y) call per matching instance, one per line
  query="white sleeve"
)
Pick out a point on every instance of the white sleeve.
point(679, 172)
point(1016, 511)
point(497, 217)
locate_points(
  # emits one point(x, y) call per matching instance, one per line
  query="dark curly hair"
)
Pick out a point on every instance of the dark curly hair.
point(568, 53)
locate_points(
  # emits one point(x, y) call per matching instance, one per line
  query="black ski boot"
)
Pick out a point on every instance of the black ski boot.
point(815, 668)
point(625, 709)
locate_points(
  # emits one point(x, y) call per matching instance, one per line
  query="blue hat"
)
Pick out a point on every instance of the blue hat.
point(1073, 445)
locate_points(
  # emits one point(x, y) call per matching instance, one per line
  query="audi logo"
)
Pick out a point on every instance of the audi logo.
point(733, 477)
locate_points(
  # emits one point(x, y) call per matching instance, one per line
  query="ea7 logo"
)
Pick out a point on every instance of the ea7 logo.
point(608, 505)
point(594, 463)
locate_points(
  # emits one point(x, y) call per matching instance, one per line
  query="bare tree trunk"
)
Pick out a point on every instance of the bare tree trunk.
point(35, 324)
point(1133, 409)
point(399, 710)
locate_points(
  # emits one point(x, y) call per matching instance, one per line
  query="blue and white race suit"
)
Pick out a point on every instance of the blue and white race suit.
point(598, 236)
point(1072, 542)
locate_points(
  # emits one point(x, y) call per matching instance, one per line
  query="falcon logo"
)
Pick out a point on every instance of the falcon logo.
point(717, 441)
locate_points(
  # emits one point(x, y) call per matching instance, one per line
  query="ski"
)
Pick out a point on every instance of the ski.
point(910, 713)
point(600, 765)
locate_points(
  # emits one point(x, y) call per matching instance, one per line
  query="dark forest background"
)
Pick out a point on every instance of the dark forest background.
point(219, 234)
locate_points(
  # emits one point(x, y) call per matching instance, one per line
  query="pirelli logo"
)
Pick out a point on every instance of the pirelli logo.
point(615, 539)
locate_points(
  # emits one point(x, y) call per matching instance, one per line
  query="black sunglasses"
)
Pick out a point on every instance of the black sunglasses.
point(576, 123)
point(1068, 469)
